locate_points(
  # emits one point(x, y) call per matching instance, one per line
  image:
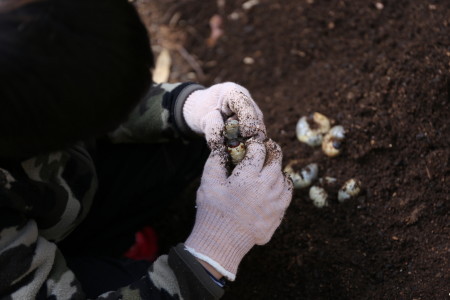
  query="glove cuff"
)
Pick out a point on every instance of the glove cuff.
point(179, 109)
point(219, 240)
point(192, 111)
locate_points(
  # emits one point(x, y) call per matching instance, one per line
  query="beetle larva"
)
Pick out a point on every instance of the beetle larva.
point(332, 142)
point(304, 177)
point(234, 142)
point(319, 196)
point(310, 130)
point(349, 190)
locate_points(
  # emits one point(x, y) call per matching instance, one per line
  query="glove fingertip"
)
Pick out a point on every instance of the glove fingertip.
point(217, 163)
point(213, 125)
point(253, 128)
point(274, 153)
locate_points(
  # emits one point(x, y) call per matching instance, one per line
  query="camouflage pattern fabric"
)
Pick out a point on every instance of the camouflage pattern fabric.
point(44, 198)
point(153, 120)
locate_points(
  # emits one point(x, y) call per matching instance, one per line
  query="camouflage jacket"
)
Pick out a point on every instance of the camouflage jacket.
point(44, 198)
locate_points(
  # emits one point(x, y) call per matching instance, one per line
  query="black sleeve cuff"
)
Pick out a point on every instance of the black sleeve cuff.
point(174, 102)
point(194, 281)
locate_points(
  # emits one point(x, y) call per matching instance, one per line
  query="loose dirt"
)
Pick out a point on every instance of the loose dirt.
point(380, 69)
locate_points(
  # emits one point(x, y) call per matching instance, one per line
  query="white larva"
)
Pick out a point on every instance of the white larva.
point(232, 129)
point(332, 142)
point(312, 136)
point(350, 189)
point(235, 146)
point(319, 196)
point(303, 178)
point(237, 152)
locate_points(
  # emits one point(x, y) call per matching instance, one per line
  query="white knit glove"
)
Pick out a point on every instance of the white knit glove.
point(205, 110)
point(234, 213)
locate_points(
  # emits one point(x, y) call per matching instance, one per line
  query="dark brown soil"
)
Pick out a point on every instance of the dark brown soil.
point(381, 71)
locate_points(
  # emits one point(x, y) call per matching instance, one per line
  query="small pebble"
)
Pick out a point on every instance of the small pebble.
point(248, 60)
point(420, 136)
point(379, 5)
point(327, 180)
point(249, 4)
point(234, 16)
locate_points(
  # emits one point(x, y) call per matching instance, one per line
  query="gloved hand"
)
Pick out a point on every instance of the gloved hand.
point(234, 213)
point(205, 110)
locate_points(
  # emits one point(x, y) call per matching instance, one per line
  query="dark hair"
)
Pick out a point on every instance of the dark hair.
point(69, 70)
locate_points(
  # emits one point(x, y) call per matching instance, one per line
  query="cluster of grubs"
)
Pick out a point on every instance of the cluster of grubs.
point(320, 188)
point(318, 133)
point(315, 130)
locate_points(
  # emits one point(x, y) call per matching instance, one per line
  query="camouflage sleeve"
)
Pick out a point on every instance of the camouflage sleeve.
point(33, 268)
point(175, 276)
point(158, 117)
point(41, 201)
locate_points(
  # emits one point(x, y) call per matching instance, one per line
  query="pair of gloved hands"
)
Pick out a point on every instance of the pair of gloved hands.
point(237, 211)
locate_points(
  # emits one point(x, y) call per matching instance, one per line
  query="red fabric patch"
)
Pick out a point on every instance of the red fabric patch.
point(145, 247)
